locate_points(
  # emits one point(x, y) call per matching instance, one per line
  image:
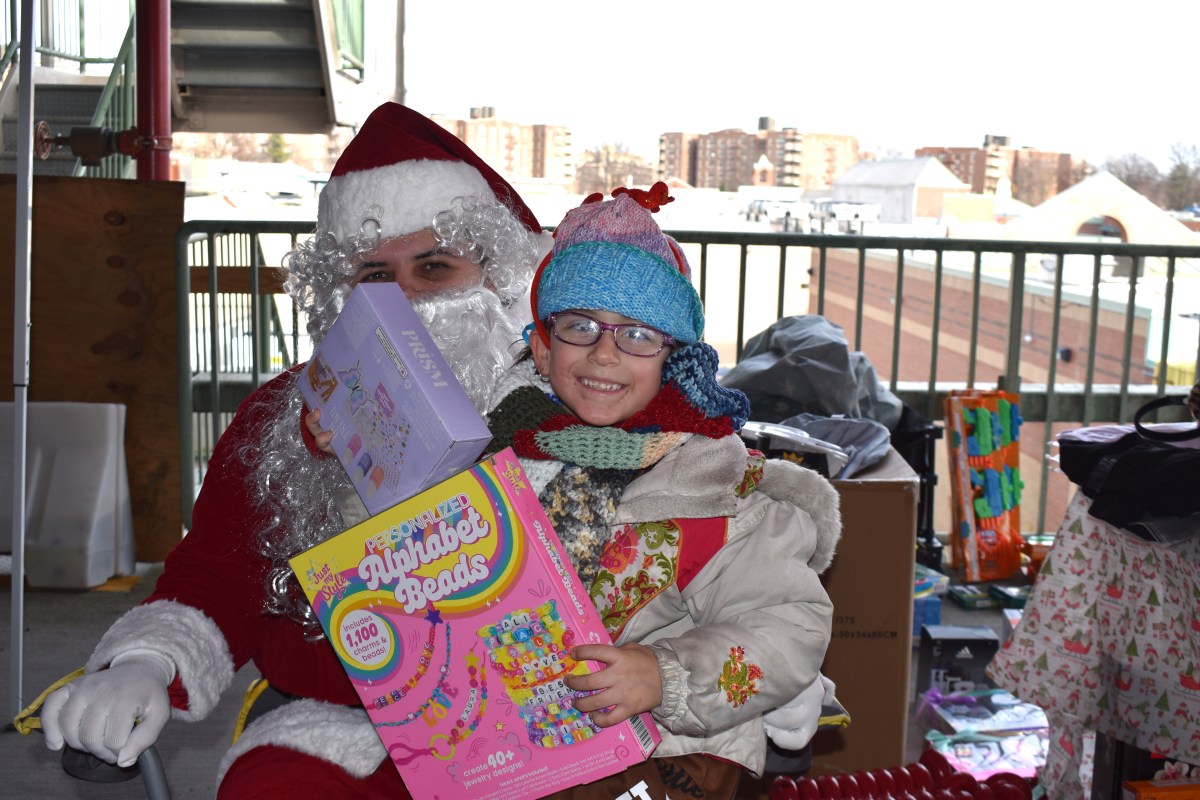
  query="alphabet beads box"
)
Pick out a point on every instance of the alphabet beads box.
point(455, 613)
point(400, 419)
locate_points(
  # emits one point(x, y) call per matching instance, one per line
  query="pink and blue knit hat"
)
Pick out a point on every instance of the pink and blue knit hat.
point(611, 255)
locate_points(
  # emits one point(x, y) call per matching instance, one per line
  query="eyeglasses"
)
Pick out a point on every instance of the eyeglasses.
point(633, 338)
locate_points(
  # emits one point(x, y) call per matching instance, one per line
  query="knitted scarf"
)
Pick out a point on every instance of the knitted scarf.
point(599, 462)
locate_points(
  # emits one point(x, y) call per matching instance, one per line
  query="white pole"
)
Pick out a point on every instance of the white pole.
point(23, 204)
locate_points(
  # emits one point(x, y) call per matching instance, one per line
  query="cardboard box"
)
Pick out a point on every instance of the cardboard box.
point(1021, 754)
point(972, 596)
point(927, 610)
point(1009, 596)
point(401, 421)
point(871, 586)
point(953, 658)
point(1178, 789)
point(994, 713)
point(454, 614)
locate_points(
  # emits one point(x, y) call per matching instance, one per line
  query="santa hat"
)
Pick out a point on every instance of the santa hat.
point(399, 171)
point(612, 256)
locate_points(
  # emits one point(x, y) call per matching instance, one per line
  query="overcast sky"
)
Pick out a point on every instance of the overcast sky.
point(1096, 79)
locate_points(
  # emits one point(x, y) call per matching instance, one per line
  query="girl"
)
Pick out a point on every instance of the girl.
point(701, 557)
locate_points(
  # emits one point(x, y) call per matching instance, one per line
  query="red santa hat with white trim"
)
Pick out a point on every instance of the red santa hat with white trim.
point(399, 171)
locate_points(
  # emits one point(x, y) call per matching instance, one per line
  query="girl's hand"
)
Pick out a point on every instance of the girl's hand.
point(323, 438)
point(629, 683)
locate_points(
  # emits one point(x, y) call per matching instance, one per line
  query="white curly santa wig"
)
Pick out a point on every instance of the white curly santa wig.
point(402, 173)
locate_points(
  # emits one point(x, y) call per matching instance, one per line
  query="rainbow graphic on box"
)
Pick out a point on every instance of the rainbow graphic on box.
point(455, 614)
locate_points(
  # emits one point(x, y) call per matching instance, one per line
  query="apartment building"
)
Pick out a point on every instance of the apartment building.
point(1035, 175)
point(514, 149)
point(677, 157)
point(730, 158)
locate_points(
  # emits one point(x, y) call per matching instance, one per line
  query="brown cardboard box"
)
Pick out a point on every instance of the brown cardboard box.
point(871, 586)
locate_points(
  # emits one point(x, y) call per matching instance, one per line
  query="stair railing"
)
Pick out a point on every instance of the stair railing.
point(117, 110)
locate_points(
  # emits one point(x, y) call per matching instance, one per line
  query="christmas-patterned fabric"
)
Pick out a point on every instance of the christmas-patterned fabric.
point(1109, 641)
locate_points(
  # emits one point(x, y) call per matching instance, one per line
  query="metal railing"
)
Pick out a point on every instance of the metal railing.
point(1086, 335)
point(85, 35)
point(116, 110)
point(82, 33)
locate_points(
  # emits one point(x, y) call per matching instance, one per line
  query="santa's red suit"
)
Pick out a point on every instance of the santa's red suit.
point(226, 596)
point(206, 614)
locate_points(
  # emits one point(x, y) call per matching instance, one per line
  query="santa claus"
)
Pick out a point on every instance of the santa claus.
point(407, 202)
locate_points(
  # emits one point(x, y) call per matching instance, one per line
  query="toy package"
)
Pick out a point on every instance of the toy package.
point(982, 756)
point(972, 596)
point(989, 711)
point(985, 483)
point(400, 419)
point(455, 614)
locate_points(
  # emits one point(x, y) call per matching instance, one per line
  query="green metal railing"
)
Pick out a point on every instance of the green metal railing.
point(67, 32)
point(1081, 345)
point(349, 36)
point(116, 110)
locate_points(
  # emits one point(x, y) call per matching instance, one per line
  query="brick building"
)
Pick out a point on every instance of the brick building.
point(1035, 175)
point(731, 158)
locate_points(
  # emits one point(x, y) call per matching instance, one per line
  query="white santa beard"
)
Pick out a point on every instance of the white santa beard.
point(307, 500)
point(478, 334)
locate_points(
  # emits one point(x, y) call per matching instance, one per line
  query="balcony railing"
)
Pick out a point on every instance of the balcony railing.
point(1086, 332)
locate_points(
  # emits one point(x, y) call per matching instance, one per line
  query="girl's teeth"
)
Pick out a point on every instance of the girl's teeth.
point(603, 387)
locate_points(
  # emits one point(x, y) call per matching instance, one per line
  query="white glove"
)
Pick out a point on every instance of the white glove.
point(115, 713)
point(793, 724)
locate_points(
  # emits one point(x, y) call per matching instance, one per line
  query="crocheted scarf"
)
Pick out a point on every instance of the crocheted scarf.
point(599, 462)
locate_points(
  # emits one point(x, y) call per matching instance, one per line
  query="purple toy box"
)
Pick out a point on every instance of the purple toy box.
point(455, 613)
point(400, 419)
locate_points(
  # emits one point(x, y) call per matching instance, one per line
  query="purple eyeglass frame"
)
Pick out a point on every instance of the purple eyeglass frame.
point(668, 339)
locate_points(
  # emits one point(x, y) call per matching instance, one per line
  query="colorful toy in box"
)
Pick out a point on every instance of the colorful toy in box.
point(530, 650)
point(985, 483)
point(1010, 596)
point(972, 597)
point(399, 417)
point(990, 711)
point(928, 581)
point(983, 756)
point(443, 599)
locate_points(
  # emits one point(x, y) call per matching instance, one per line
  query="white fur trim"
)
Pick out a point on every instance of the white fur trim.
point(183, 634)
point(803, 487)
point(338, 734)
point(403, 197)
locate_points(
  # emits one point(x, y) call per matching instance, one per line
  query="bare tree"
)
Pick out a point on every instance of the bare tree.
point(1181, 186)
point(1138, 173)
point(609, 166)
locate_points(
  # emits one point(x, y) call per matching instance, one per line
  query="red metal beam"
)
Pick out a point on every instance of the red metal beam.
point(154, 88)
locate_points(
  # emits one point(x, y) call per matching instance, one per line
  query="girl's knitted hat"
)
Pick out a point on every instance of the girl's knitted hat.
point(610, 255)
point(399, 171)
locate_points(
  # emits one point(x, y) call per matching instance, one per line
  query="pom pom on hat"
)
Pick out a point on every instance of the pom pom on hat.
point(399, 171)
point(612, 256)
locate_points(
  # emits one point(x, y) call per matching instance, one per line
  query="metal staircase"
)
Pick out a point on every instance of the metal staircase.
point(62, 107)
point(238, 66)
point(263, 66)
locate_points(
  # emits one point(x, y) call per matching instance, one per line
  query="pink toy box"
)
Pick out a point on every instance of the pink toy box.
point(454, 614)
point(400, 419)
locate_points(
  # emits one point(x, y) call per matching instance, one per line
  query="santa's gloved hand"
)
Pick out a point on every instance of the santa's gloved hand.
point(793, 724)
point(115, 713)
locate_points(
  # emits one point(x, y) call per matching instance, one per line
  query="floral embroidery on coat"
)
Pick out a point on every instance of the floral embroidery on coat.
point(738, 677)
point(753, 475)
point(637, 564)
